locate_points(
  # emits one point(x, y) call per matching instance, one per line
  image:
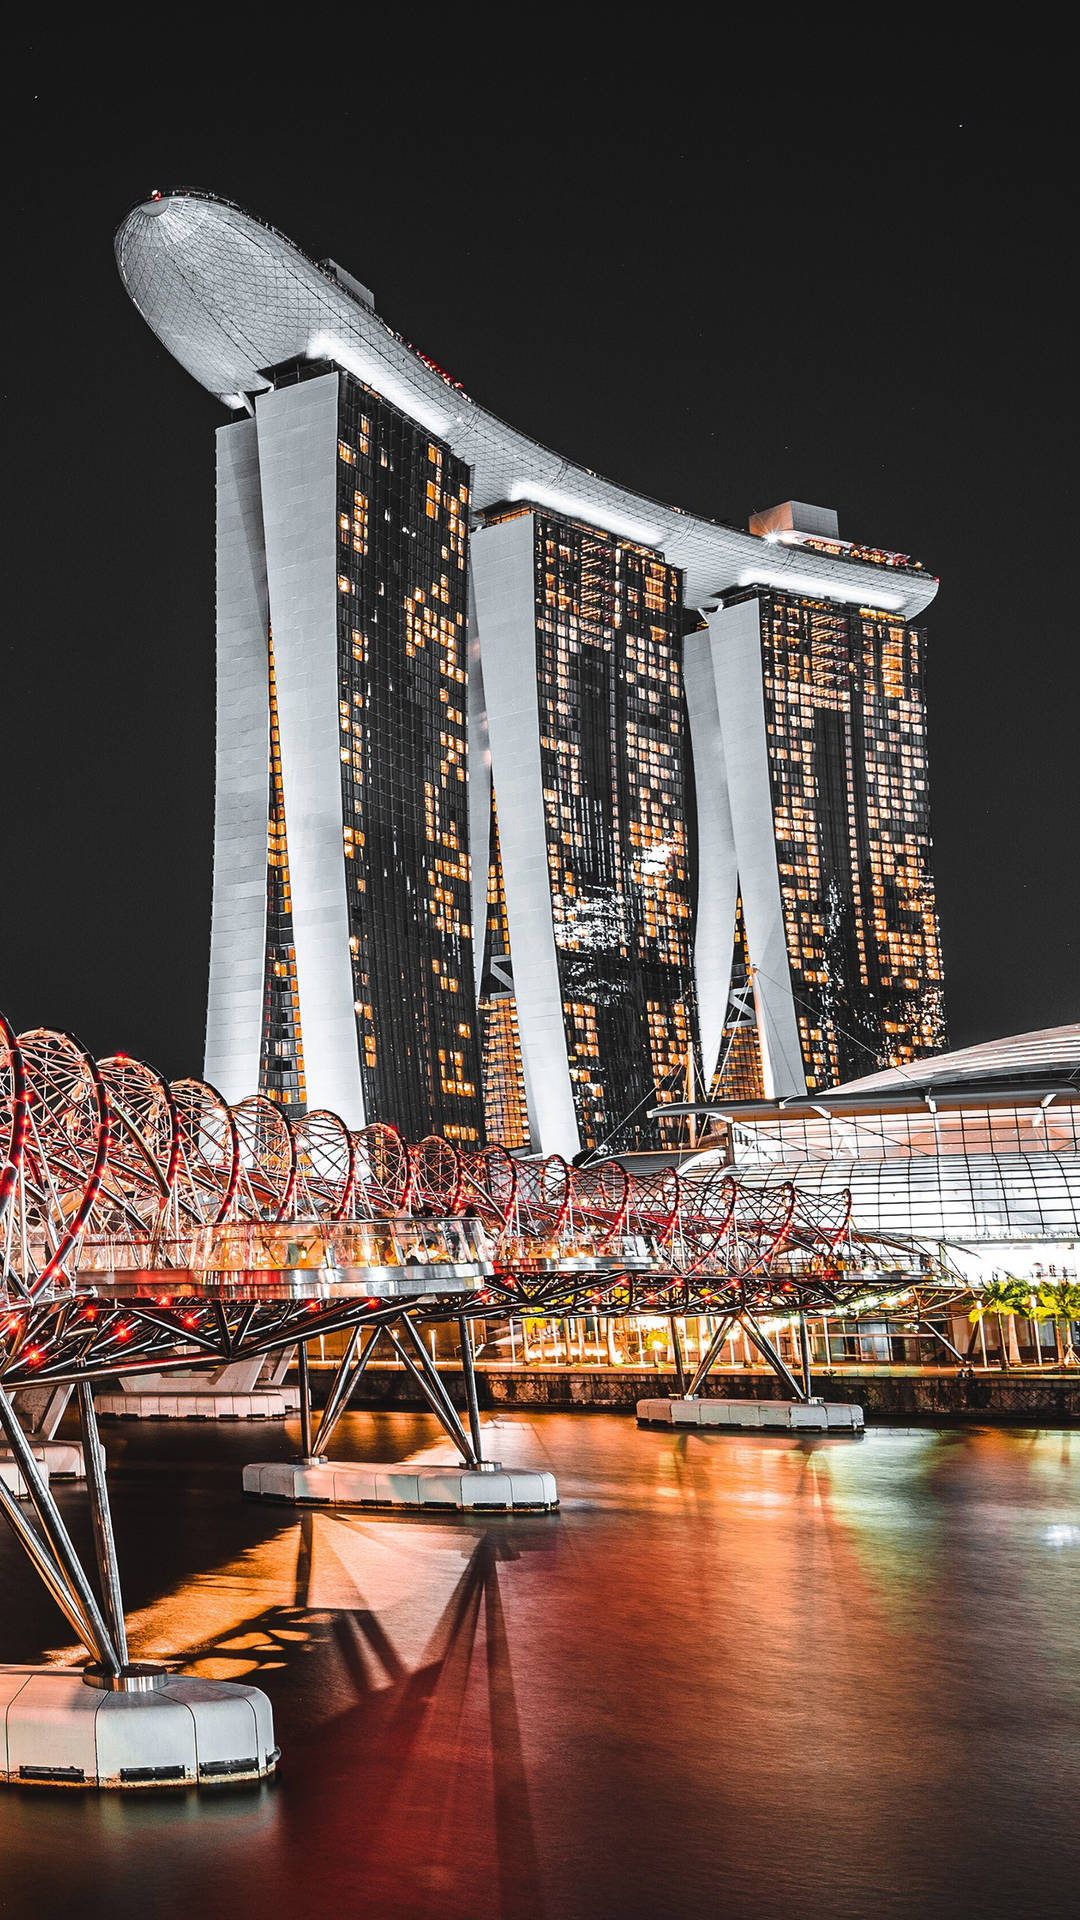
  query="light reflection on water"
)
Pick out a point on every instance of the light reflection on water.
point(734, 1672)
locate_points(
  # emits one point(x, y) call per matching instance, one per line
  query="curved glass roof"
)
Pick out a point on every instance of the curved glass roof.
point(230, 298)
point(962, 1197)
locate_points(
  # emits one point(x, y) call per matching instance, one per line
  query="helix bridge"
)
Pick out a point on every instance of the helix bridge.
point(144, 1223)
point(149, 1227)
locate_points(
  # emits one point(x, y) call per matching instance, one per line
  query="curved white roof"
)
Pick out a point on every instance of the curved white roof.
point(1047, 1050)
point(229, 296)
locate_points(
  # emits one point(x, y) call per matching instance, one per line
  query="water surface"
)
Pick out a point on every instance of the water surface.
point(735, 1675)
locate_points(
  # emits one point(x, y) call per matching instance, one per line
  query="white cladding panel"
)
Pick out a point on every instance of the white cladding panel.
point(505, 598)
point(479, 794)
point(242, 787)
point(297, 430)
point(735, 641)
point(717, 884)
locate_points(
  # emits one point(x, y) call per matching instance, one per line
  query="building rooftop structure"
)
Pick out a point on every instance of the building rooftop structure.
point(230, 297)
point(1047, 1053)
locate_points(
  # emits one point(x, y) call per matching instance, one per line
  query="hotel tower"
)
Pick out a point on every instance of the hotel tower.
point(539, 805)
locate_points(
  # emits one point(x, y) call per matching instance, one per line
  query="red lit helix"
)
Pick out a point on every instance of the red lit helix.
point(111, 1151)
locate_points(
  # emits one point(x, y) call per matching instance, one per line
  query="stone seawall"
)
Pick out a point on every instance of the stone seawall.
point(887, 1398)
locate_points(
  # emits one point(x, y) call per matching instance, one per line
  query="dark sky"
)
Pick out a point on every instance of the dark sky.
point(868, 309)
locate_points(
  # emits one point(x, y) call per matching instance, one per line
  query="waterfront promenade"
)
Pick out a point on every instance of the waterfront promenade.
point(1031, 1396)
point(735, 1674)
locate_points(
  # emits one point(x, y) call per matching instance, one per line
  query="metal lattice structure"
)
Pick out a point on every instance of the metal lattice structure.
point(149, 1228)
point(113, 1181)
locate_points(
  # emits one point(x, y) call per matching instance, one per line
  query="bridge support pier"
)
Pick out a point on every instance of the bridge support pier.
point(111, 1723)
point(799, 1413)
point(232, 1390)
point(469, 1484)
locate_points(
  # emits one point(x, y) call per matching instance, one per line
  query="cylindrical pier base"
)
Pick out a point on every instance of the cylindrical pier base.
point(70, 1727)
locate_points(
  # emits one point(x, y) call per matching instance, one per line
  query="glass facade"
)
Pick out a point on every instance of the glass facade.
point(846, 733)
point(989, 1152)
point(955, 1125)
point(281, 1060)
point(738, 1073)
point(402, 514)
point(962, 1198)
point(506, 1118)
point(613, 750)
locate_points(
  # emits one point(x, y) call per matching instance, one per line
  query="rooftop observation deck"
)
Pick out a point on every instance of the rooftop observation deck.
point(230, 297)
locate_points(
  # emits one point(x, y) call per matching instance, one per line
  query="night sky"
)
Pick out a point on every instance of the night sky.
point(869, 310)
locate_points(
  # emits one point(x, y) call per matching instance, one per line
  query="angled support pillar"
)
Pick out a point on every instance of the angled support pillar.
point(676, 1348)
point(57, 1547)
point(804, 1349)
point(297, 431)
point(432, 1388)
point(503, 572)
point(468, 1366)
point(101, 1514)
point(41, 1409)
point(46, 1568)
point(305, 1399)
point(709, 1358)
point(718, 882)
point(345, 1381)
point(735, 641)
point(768, 1352)
point(924, 1326)
point(238, 918)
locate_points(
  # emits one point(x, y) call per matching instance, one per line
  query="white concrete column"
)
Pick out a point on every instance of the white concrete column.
point(735, 643)
point(479, 793)
point(717, 874)
point(298, 432)
point(234, 1008)
point(505, 598)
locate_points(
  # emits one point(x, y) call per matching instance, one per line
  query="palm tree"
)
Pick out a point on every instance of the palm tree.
point(1004, 1297)
point(1059, 1300)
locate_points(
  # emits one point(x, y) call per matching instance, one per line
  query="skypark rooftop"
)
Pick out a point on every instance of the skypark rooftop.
point(228, 296)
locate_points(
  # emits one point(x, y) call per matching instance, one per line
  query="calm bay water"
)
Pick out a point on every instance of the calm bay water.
point(733, 1676)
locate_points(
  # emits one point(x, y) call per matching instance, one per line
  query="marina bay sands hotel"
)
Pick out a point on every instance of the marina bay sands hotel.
point(539, 804)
